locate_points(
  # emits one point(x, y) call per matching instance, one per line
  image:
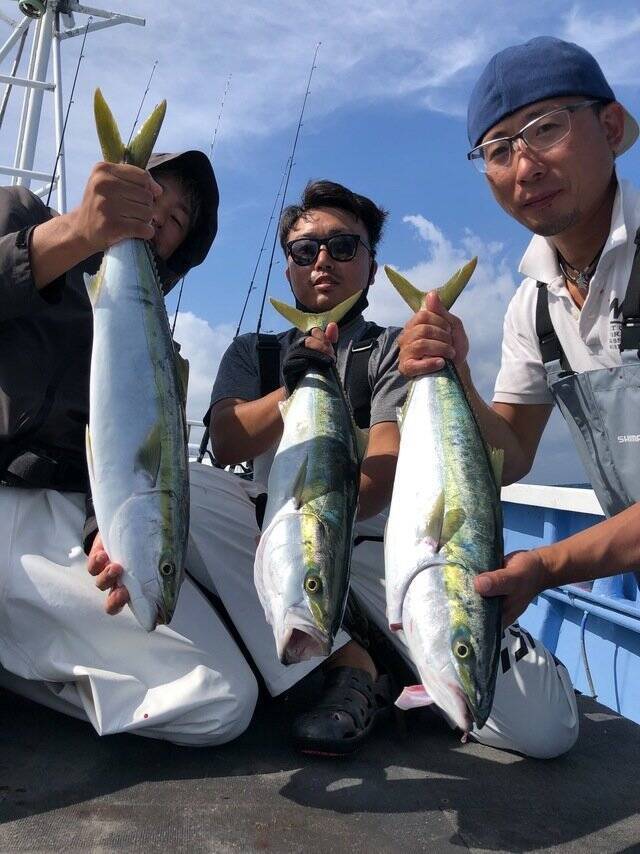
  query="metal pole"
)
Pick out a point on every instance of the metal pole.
point(13, 38)
point(27, 96)
point(35, 104)
point(14, 71)
point(61, 191)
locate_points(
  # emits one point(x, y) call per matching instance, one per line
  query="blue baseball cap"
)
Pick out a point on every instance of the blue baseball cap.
point(544, 67)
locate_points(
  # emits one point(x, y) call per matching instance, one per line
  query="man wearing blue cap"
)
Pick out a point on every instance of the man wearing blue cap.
point(546, 129)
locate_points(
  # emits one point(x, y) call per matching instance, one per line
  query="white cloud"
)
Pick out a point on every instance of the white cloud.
point(611, 37)
point(482, 307)
point(203, 345)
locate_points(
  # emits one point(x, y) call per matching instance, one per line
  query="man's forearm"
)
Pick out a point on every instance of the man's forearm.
point(55, 248)
point(497, 432)
point(610, 547)
point(242, 430)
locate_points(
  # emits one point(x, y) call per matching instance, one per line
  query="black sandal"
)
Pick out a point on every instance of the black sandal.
point(350, 705)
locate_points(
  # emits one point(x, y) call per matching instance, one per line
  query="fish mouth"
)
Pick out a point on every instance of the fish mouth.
point(301, 640)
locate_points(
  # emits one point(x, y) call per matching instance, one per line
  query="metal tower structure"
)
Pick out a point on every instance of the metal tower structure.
point(50, 22)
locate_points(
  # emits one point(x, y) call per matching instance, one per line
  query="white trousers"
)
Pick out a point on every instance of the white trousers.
point(187, 683)
point(534, 711)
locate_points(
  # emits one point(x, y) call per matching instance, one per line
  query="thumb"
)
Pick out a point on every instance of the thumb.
point(331, 332)
point(432, 302)
point(496, 583)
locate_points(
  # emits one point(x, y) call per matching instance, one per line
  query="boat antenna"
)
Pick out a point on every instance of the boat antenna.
point(66, 118)
point(288, 169)
point(251, 287)
point(144, 95)
point(213, 142)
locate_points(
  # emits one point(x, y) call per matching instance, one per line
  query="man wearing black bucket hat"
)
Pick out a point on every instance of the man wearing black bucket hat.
point(546, 130)
point(187, 684)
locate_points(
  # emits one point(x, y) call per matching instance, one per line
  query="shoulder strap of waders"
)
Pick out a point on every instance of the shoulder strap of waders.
point(630, 331)
point(357, 374)
point(268, 349)
point(550, 347)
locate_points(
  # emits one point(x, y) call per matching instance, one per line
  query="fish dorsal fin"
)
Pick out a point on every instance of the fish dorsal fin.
point(89, 450)
point(150, 454)
point(496, 455)
point(305, 321)
point(299, 484)
point(452, 522)
point(113, 149)
point(448, 293)
point(141, 146)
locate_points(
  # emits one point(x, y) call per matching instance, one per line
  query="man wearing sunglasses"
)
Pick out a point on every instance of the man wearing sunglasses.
point(330, 242)
point(545, 129)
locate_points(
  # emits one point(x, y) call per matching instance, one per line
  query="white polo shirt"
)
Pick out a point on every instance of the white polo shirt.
point(589, 337)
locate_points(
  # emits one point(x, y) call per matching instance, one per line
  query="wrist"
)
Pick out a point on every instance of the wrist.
point(548, 567)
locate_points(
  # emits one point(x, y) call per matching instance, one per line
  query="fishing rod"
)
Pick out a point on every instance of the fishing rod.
point(66, 118)
point(288, 169)
point(213, 141)
point(144, 95)
point(262, 247)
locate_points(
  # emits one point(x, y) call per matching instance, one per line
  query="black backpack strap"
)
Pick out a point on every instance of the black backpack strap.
point(357, 374)
point(630, 331)
point(550, 347)
point(268, 349)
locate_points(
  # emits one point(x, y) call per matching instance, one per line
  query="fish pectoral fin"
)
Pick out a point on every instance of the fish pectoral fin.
point(142, 144)
point(92, 284)
point(150, 454)
point(452, 522)
point(496, 455)
point(113, 149)
point(299, 484)
point(435, 519)
point(413, 697)
point(306, 321)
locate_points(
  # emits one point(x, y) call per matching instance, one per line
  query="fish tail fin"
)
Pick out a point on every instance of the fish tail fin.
point(113, 149)
point(306, 321)
point(448, 293)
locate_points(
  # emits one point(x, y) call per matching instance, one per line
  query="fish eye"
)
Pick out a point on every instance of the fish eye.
point(312, 584)
point(167, 569)
point(461, 650)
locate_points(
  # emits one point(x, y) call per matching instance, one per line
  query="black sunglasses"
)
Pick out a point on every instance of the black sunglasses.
point(341, 247)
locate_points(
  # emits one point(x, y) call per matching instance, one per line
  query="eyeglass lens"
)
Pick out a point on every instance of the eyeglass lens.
point(341, 247)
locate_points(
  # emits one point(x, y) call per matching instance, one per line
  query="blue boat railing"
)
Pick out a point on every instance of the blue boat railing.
point(593, 628)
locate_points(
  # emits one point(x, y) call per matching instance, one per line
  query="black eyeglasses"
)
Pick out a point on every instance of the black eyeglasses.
point(341, 247)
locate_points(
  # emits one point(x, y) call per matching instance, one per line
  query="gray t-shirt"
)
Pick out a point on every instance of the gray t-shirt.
point(239, 374)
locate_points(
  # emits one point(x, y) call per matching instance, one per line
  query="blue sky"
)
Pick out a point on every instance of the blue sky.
point(385, 116)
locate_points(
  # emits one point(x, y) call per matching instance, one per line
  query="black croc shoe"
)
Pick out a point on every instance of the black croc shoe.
point(344, 717)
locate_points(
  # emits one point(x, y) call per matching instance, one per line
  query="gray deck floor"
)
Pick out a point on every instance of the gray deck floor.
point(62, 788)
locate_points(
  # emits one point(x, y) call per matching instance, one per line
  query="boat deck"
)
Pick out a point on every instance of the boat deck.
point(415, 787)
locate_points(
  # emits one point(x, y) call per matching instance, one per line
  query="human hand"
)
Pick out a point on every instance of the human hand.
point(432, 335)
point(108, 577)
point(118, 203)
point(316, 350)
point(521, 579)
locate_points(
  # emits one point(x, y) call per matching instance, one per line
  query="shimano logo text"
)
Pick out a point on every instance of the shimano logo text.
point(632, 437)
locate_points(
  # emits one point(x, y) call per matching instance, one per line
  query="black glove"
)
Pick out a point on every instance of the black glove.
point(299, 359)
